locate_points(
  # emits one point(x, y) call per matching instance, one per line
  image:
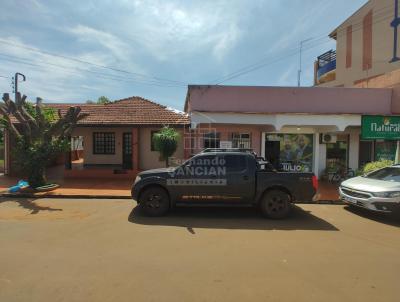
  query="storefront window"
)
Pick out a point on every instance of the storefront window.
point(385, 150)
point(290, 152)
point(211, 140)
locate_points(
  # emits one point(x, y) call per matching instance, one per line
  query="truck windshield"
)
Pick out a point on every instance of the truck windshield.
point(388, 174)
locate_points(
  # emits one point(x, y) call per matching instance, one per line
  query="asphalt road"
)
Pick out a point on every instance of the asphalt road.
point(104, 250)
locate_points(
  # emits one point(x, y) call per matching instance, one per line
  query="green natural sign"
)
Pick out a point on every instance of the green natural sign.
point(380, 127)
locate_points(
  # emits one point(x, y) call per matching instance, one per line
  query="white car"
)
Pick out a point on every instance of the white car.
point(377, 191)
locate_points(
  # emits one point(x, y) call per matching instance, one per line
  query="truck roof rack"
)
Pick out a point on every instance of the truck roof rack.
point(244, 150)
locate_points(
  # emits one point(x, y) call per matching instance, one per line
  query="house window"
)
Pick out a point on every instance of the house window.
point(211, 140)
point(241, 140)
point(103, 143)
point(152, 133)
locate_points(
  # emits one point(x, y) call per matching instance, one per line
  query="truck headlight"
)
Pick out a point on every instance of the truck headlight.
point(387, 194)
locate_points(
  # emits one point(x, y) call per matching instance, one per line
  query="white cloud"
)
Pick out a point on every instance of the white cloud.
point(118, 48)
point(167, 29)
point(49, 77)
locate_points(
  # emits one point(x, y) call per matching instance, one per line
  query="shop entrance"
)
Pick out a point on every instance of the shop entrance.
point(337, 155)
point(272, 151)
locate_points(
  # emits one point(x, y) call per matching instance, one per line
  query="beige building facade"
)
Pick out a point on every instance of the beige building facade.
point(367, 47)
point(147, 157)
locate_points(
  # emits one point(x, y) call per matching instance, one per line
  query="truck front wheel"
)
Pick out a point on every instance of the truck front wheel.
point(154, 201)
point(275, 204)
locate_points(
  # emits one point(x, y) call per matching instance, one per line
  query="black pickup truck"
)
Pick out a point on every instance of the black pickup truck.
point(223, 177)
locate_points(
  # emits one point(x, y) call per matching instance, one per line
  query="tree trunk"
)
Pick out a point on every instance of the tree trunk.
point(37, 177)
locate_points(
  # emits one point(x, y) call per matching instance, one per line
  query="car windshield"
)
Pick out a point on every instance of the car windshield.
point(388, 174)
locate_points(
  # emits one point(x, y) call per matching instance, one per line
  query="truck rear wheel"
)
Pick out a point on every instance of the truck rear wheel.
point(275, 204)
point(154, 201)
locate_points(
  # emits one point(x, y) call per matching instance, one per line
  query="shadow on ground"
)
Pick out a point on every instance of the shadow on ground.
point(232, 218)
point(30, 204)
point(389, 219)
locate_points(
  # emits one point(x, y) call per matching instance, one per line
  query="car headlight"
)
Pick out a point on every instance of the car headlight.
point(138, 178)
point(387, 194)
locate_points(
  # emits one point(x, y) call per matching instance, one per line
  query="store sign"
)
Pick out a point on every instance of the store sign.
point(380, 127)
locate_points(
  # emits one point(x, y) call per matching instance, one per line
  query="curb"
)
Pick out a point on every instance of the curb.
point(82, 196)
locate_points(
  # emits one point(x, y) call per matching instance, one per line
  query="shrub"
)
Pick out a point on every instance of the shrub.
point(166, 142)
point(372, 166)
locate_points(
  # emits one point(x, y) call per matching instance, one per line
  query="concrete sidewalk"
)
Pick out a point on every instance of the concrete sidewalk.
point(77, 188)
point(117, 188)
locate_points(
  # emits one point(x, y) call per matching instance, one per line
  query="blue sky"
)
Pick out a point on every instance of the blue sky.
point(155, 48)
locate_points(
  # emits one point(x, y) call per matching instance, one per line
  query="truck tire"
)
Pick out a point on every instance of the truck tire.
point(154, 201)
point(275, 204)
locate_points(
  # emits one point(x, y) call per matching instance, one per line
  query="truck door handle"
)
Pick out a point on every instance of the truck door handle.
point(245, 177)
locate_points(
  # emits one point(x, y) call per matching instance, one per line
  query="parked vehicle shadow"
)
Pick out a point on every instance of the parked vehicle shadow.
point(29, 204)
point(390, 219)
point(232, 218)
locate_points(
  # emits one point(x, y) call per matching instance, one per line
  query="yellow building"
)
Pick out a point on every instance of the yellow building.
point(367, 49)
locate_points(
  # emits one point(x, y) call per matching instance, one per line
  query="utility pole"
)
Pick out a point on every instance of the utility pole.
point(301, 49)
point(395, 24)
point(16, 83)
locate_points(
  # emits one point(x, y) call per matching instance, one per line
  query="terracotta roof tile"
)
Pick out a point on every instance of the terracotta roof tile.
point(129, 111)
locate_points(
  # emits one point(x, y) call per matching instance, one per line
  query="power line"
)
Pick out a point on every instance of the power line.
point(262, 63)
point(106, 76)
point(3, 41)
point(232, 75)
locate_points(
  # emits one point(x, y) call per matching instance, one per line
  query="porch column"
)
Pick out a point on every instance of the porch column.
point(135, 148)
point(354, 147)
point(316, 155)
point(67, 159)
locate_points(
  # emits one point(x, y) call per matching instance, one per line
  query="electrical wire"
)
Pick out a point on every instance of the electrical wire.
point(110, 77)
point(3, 41)
point(378, 17)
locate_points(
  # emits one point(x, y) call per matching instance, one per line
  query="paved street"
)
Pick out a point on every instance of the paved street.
point(104, 250)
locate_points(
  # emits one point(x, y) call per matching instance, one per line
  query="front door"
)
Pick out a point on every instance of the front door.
point(127, 150)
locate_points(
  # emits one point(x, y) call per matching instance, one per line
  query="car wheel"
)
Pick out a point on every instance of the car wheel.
point(154, 201)
point(275, 204)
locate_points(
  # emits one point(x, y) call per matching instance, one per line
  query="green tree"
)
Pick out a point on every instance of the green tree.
point(40, 135)
point(166, 142)
point(103, 100)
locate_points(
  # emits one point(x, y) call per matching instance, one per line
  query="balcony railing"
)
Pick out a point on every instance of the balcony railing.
point(326, 63)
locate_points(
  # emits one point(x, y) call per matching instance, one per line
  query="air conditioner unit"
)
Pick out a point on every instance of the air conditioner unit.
point(328, 138)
